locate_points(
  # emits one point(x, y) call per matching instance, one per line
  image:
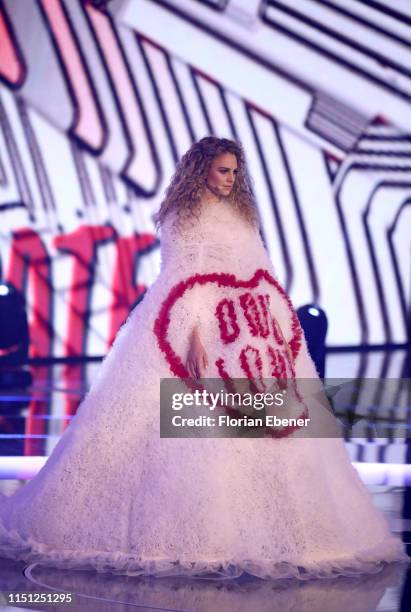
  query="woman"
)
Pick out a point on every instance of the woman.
point(115, 496)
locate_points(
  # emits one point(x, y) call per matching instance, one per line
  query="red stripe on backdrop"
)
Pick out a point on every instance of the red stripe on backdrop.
point(12, 68)
point(88, 127)
point(30, 262)
point(125, 291)
point(82, 245)
point(140, 167)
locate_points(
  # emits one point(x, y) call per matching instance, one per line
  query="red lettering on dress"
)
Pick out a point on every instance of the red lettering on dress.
point(227, 321)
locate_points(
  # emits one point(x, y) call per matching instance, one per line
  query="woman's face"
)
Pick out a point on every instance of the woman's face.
point(222, 174)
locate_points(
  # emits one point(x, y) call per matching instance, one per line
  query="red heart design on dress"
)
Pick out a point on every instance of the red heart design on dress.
point(162, 321)
point(223, 280)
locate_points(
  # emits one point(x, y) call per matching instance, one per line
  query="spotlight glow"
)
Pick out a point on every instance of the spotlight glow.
point(314, 311)
point(4, 290)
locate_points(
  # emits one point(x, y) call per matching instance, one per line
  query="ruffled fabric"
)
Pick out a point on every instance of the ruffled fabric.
point(370, 561)
point(115, 496)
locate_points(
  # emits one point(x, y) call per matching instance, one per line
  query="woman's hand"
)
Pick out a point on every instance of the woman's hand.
point(197, 360)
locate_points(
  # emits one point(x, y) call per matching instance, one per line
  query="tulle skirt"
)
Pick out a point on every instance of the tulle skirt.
point(116, 497)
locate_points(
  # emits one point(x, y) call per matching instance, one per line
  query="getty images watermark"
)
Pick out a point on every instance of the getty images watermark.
point(238, 408)
point(363, 408)
point(217, 402)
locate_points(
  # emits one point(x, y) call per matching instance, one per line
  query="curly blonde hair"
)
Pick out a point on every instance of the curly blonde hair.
point(187, 185)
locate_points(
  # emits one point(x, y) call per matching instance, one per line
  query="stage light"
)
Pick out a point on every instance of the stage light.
point(314, 323)
point(314, 311)
point(14, 338)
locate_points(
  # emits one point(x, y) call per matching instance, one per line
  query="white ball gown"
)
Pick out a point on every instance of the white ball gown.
point(114, 496)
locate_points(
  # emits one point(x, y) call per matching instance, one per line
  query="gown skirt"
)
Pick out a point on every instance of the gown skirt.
point(116, 497)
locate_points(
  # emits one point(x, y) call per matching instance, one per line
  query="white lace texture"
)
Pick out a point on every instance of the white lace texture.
point(116, 497)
